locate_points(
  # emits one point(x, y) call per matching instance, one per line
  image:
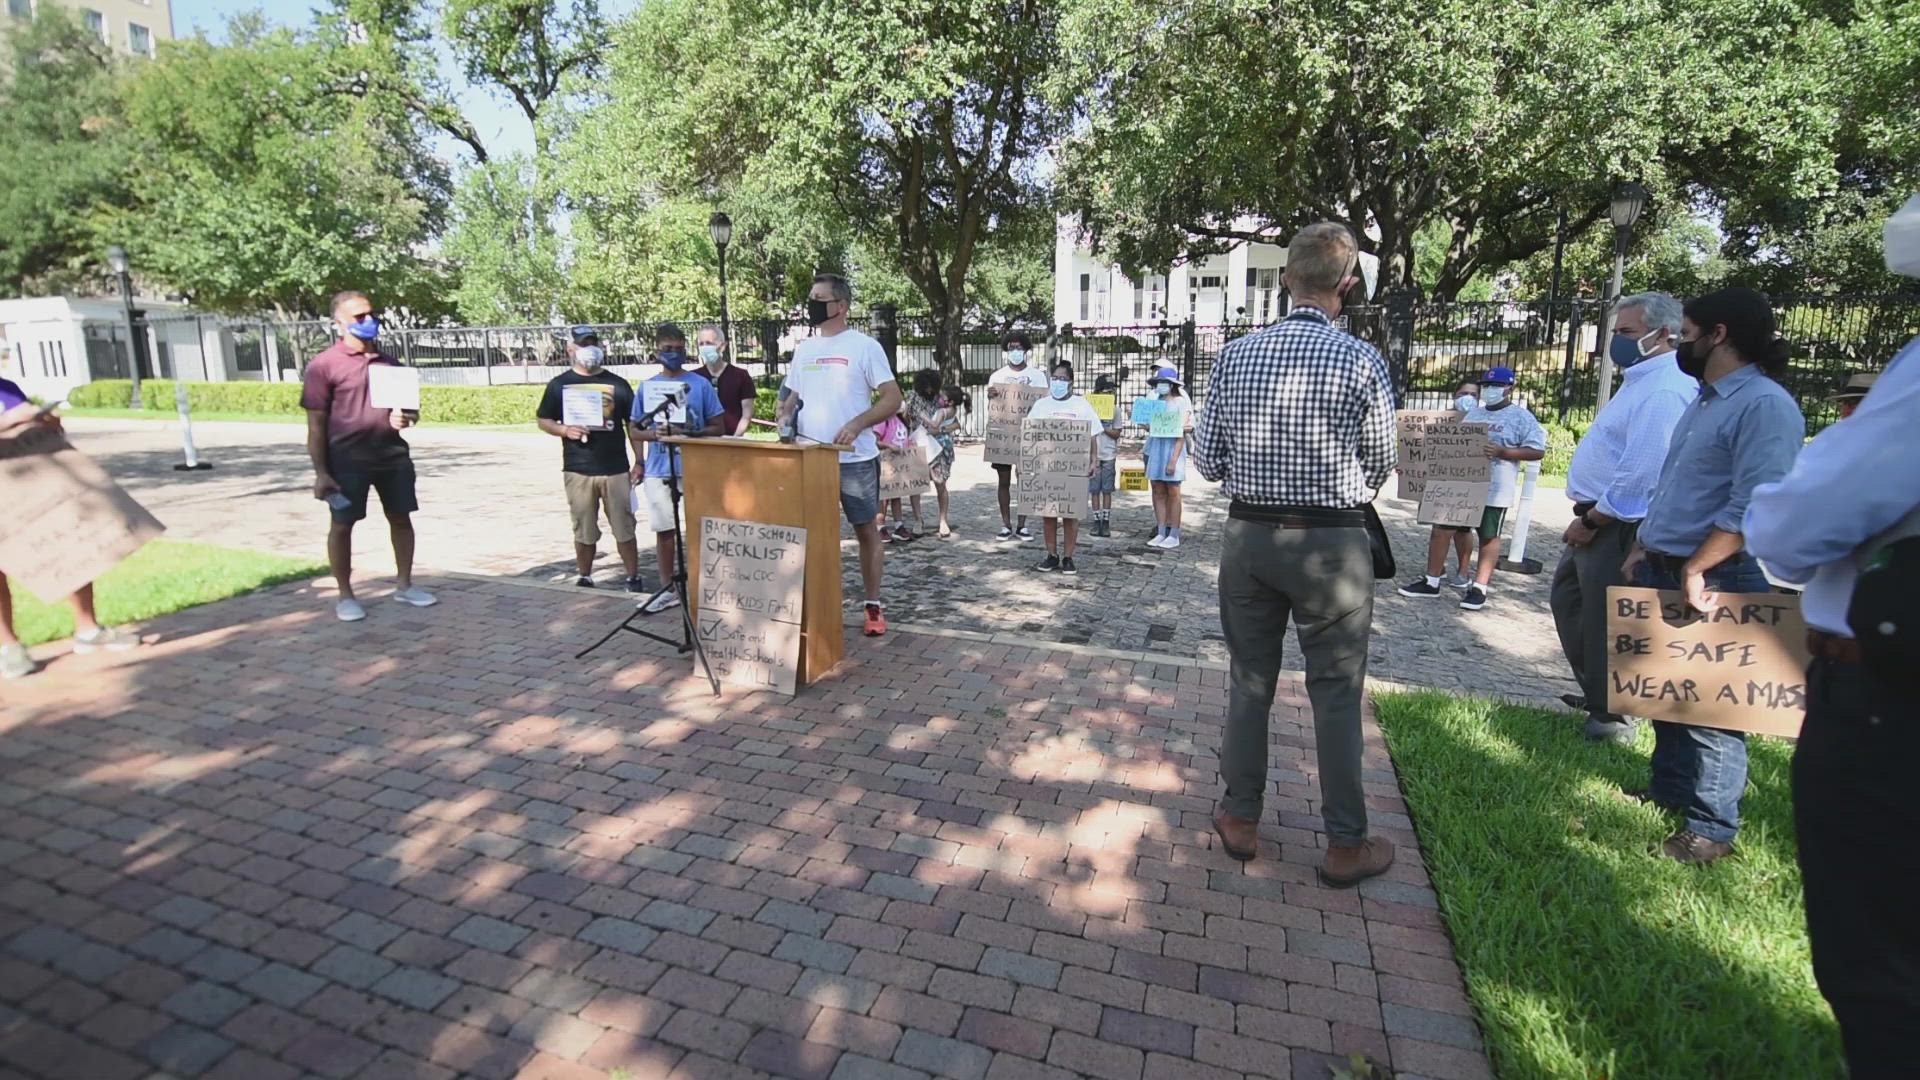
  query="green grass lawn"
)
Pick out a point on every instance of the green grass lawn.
point(164, 576)
point(1585, 956)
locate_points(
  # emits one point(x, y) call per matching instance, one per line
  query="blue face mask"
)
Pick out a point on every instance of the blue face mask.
point(365, 329)
point(1016, 358)
point(1060, 388)
point(1493, 395)
point(1625, 351)
point(673, 358)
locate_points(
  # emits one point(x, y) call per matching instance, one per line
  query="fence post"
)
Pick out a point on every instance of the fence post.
point(1566, 378)
point(1399, 305)
point(1189, 354)
point(486, 354)
point(887, 330)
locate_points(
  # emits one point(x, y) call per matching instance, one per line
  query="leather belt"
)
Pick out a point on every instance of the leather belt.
point(1672, 565)
point(1297, 517)
point(1825, 646)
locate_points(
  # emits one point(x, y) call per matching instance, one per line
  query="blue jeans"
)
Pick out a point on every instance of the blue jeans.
point(1703, 770)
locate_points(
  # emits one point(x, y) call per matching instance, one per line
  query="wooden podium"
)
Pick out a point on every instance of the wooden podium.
point(778, 484)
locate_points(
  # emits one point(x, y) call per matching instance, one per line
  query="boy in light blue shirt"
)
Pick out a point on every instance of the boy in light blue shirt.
point(702, 417)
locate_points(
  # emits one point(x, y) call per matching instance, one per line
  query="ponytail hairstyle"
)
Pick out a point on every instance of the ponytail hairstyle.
point(1752, 331)
point(957, 397)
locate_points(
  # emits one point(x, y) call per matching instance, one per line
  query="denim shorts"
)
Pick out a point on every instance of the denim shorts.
point(860, 491)
point(1101, 482)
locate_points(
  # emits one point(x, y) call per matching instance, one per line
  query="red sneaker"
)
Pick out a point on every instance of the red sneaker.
point(876, 622)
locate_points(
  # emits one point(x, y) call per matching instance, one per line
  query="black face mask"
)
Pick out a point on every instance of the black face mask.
point(817, 311)
point(1691, 358)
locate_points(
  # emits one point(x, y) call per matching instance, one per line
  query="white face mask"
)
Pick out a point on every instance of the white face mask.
point(1016, 358)
point(1465, 402)
point(1493, 395)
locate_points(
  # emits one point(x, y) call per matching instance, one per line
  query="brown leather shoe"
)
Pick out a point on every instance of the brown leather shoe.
point(1239, 836)
point(1347, 865)
point(1693, 849)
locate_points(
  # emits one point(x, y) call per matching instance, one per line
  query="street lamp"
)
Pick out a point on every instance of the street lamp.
point(720, 227)
point(1629, 200)
point(117, 259)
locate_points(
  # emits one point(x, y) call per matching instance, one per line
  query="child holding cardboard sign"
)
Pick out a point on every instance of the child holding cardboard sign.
point(1055, 454)
point(1106, 447)
point(1167, 430)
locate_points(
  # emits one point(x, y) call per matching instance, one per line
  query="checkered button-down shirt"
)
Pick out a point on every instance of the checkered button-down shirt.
point(1298, 414)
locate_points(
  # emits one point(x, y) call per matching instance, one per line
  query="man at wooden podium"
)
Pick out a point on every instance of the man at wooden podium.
point(841, 386)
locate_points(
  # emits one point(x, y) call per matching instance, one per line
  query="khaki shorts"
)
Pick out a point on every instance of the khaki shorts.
point(587, 496)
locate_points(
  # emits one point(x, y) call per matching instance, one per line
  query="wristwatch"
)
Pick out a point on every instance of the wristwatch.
point(1587, 521)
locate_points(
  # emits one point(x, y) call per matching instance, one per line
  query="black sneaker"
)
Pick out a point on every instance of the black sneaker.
point(584, 581)
point(1005, 533)
point(637, 584)
point(1024, 533)
point(1067, 567)
point(1419, 587)
point(1475, 599)
point(1051, 564)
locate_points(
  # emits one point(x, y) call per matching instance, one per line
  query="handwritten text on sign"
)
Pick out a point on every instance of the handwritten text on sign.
point(1455, 492)
point(1742, 666)
point(66, 522)
point(752, 587)
point(1411, 428)
point(1053, 467)
point(904, 473)
point(1007, 407)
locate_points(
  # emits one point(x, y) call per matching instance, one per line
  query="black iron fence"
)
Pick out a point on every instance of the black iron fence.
point(1554, 348)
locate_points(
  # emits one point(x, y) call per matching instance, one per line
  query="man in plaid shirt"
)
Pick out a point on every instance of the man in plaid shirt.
point(1298, 429)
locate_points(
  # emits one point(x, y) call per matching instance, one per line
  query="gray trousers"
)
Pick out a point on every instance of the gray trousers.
point(1579, 600)
point(1321, 579)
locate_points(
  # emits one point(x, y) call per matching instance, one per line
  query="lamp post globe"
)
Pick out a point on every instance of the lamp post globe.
point(720, 227)
point(1629, 199)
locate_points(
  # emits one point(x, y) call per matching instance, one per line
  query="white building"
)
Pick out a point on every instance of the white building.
point(1240, 283)
point(55, 343)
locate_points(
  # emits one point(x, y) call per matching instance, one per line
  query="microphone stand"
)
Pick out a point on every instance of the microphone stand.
point(689, 641)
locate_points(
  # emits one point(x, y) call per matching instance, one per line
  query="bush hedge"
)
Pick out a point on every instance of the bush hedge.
point(439, 404)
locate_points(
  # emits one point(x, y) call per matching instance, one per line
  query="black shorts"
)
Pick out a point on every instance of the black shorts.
point(393, 482)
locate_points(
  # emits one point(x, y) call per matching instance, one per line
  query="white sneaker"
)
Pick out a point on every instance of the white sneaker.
point(664, 602)
point(349, 610)
point(1170, 543)
point(417, 596)
point(15, 662)
point(1157, 541)
point(104, 637)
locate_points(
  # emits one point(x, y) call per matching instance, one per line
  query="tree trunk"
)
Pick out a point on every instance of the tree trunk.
point(947, 329)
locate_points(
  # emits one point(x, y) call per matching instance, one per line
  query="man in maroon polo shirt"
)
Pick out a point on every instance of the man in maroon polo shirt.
point(356, 448)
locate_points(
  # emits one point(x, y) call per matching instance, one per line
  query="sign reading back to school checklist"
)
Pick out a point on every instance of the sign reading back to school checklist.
point(752, 589)
point(1741, 666)
point(1007, 407)
point(1053, 467)
point(1411, 430)
point(1455, 489)
point(66, 522)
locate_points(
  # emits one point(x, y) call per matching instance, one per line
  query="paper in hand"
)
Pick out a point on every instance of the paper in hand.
point(655, 391)
point(587, 407)
point(390, 386)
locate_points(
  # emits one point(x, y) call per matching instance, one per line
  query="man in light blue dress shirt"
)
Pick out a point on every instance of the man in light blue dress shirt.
point(1855, 814)
point(1742, 431)
point(1610, 481)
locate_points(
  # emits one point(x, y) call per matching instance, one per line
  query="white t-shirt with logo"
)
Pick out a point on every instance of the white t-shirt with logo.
point(835, 378)
point(1030, 375)
point(1072, 408)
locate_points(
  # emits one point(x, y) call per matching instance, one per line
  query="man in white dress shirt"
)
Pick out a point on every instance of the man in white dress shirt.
point(1610, 481)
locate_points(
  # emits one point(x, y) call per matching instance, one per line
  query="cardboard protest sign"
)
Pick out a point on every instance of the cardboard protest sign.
point(752, 588)
point(1411, 429)
point(1053, 467)
point(1007, 408)
point(390, 386)
point(1742, 666)
point(1455, 488)
point(1133, 480)
point(66, 522)
point(1105, 406)
point(904, 473)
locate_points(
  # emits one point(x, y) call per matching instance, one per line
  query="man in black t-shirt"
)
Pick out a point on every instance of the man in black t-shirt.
point(587, 407)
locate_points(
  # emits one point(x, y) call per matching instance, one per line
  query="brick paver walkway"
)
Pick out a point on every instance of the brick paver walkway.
point(432, 845)
point(491, 504)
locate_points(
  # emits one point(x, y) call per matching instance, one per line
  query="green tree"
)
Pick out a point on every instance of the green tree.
point(506, 258)
point(256, 185)
point(912, 132)
point(1488, 116)
point(67, 151)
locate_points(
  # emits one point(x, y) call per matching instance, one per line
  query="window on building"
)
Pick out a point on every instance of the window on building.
point(1086, 296)
point(1139, 297)
point(20, 8)
point(1100, 297)
point(96, 22)
point(139, 40)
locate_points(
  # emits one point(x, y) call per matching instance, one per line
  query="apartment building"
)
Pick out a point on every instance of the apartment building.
point(132, 27)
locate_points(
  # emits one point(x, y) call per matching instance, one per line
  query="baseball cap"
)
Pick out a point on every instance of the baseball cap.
point(584, 335)
point(1499, 376)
